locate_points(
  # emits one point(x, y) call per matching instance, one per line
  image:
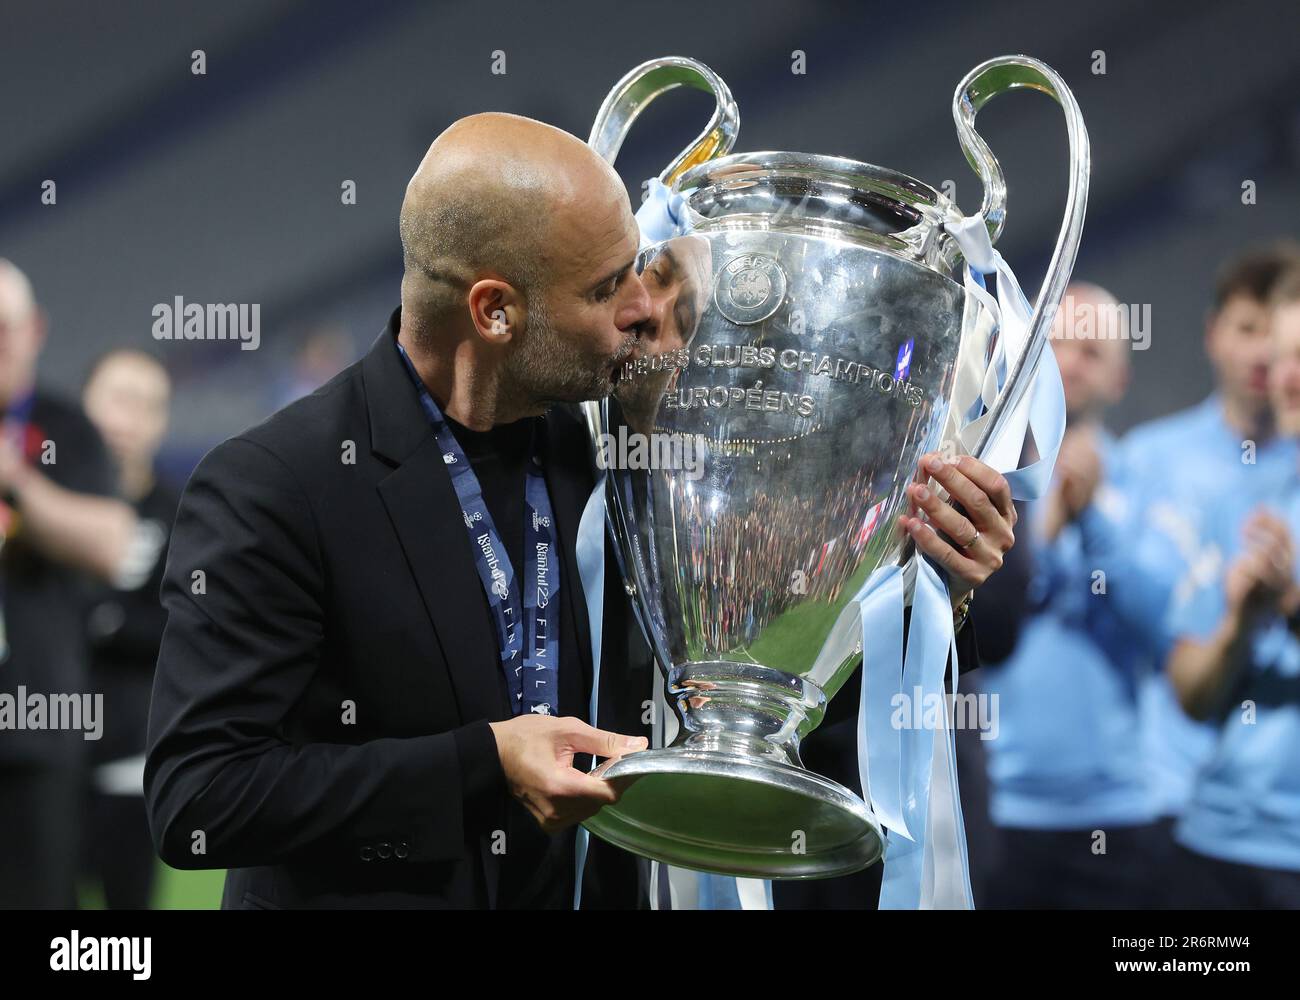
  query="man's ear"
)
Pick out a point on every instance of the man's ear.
point(497, 310)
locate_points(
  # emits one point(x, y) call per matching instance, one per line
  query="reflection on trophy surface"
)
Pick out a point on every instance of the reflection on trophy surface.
point(807, 332)
point(677, 274)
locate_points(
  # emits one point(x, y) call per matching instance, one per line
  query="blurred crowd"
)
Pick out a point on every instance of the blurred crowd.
point(1142, 644)
point(1148, 752)
point(85, 518)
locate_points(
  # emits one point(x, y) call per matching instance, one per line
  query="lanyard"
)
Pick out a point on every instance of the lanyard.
point(529, 635)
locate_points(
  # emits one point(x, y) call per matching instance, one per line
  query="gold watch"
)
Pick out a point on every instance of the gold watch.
point(961, 612)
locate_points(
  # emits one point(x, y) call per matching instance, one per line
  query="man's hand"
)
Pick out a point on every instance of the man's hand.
point(1261, 579)
point(1075, 478)
point(971, 539)
point(537, 754)
point(90, 533)
point(1259, 582)
point(1079, 468)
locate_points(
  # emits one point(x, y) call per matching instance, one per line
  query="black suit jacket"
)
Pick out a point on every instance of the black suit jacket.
point(320, 711)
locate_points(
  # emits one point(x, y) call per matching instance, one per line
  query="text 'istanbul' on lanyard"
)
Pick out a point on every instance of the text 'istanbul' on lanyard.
point(530, 655)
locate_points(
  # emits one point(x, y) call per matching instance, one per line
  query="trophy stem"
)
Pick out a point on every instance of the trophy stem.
point(731, 794)
point(745, 709)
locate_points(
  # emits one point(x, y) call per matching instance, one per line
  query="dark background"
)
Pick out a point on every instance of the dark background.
point(226, 187)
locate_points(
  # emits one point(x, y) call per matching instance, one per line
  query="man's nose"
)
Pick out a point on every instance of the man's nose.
point(634, 310)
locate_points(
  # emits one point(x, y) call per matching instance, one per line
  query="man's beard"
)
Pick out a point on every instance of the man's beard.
point(547, 368)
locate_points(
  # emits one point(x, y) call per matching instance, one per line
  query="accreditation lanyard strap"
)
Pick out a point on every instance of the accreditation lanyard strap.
point(530, 652)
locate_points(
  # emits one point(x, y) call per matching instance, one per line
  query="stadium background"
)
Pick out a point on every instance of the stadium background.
point(225, 187)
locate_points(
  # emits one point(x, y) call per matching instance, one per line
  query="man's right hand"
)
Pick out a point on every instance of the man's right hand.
point(537, 754)
point(1260, 580)
point(1074, 479)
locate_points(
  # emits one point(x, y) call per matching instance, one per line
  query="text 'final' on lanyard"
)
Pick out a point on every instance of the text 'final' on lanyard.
point(527, 617)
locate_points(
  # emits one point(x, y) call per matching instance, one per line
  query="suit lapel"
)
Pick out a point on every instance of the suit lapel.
point(426, 516)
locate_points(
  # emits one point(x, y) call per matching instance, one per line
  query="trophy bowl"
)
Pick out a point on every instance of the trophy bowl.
point(809, 325)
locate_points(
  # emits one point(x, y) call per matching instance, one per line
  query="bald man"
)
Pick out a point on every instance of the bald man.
point(1070, 794)
point(59, 526)
point(372, 687)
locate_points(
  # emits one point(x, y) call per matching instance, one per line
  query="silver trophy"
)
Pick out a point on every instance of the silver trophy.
point(810, 329)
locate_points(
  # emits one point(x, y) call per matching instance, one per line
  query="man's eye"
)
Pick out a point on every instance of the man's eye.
point(606, 292)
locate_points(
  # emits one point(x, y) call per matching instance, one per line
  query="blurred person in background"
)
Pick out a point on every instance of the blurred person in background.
point(1173, 465)
point(127, 397)
point(60, 527)
point(1236, 664)
point(1069, 791)
point(325, 351)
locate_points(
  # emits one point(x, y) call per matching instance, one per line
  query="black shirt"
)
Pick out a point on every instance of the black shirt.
point(537, 869)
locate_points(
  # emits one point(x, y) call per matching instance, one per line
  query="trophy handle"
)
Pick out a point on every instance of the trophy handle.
point(985, 82)
point(625, 102)
point(642, 85)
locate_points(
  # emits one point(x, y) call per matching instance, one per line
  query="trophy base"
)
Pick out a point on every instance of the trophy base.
point(736, 815)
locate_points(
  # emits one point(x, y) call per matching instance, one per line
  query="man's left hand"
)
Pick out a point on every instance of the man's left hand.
point(974, 531)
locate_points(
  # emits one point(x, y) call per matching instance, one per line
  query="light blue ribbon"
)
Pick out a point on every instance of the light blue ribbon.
point(954, 791)
point(880, 743)
point(717, 892)
point(1047, 422)
point(1046, 414)
point(930, 645)
point(662, 215)
point(590, 551)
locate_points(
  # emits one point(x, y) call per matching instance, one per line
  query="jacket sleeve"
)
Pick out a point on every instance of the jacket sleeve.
point(246, 609)
point(1001, 605)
